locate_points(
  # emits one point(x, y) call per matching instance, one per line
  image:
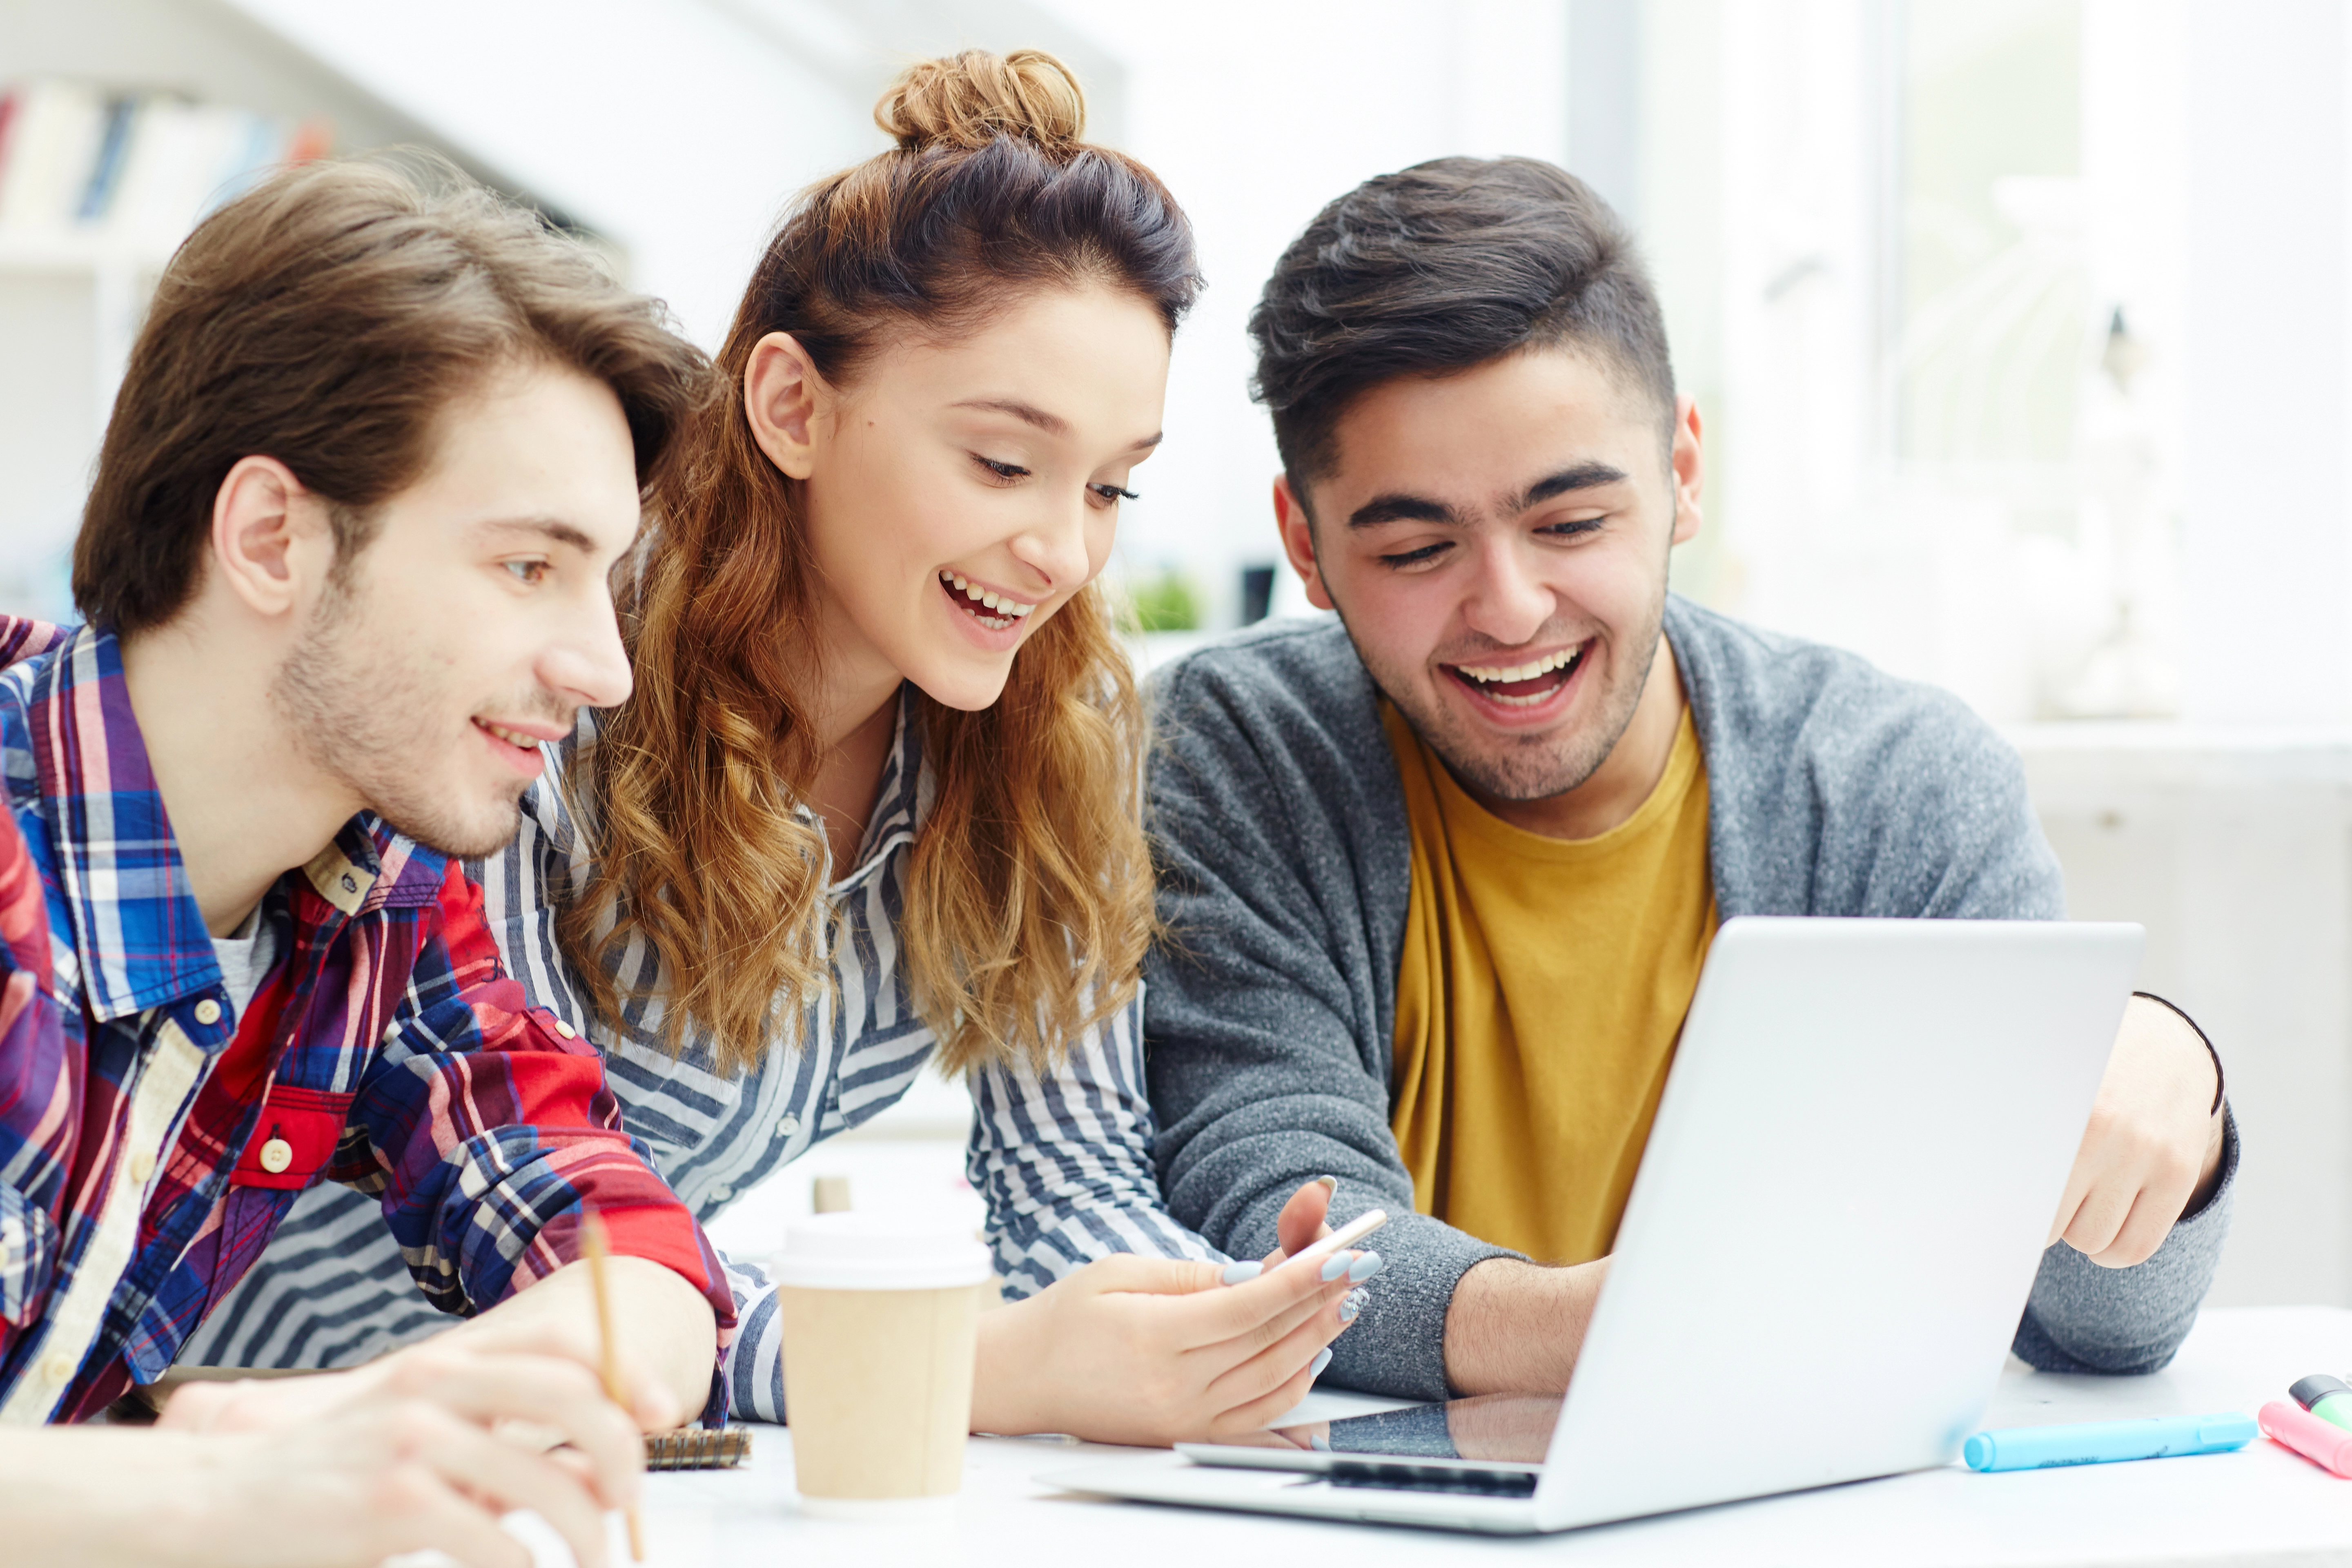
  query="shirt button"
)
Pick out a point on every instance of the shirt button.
point(276, 1156)
point(142, 1165)
point(721, 1193)
point(207, 1011)
point(787, 1124)
point(58, 1368)
point(564, 1029)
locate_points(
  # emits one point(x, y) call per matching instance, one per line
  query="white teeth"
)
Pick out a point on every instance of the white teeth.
point(1009, 609)
point(527, 743)
point(1492, 674)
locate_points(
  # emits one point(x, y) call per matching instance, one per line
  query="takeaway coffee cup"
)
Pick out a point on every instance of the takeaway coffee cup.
point(881, 1319)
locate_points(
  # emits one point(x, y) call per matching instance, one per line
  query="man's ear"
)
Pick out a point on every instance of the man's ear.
point(1299, 540)
point(783, 397)
point(268, 543)
point(1689, 474)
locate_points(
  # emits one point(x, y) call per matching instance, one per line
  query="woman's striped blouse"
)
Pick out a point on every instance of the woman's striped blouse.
point(1062, 1159)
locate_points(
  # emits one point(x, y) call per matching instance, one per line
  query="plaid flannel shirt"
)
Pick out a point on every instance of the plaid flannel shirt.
point(150, 1140)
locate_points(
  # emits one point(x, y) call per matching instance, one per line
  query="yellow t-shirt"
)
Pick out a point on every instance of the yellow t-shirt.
point(1539, 997)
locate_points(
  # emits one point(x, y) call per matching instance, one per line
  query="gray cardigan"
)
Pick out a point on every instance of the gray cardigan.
point(1834, 789)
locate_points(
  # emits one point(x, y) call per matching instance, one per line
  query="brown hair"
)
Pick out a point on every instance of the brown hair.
point(1440, 267)
point(1029, 896)
point(327, 319)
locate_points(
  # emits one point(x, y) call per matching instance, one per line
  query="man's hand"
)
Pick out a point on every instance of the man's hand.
point(669, 1339)
point(2153, 1149)
point(342, 1469)
point(1152, 1350)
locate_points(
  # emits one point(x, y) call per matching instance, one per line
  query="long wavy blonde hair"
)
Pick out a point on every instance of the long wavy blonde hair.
point(1029, 895)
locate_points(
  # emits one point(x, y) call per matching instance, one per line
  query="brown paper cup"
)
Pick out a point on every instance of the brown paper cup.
point(880, 1325)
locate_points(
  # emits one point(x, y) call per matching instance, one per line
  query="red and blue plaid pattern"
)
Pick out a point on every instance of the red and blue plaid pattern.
point(386, 1050)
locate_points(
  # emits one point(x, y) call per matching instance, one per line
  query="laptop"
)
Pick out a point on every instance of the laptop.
point(1861, 1145)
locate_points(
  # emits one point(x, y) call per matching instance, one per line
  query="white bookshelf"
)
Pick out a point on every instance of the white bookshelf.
point(72, 296)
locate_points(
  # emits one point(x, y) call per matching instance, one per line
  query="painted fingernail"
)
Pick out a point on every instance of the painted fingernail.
point(1352, 1303)
point(1322, 1443)
point(1366, 1265)
point(1248, 1268)
point(1322, 1359)
point(1338, 1264)
point(1330, 1184)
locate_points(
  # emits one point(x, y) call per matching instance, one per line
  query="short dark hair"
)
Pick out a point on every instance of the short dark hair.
point(327, 319)
point(1442, 268)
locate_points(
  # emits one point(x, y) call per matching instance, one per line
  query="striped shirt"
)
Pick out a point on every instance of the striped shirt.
point(1063, 1158)
point(155, 1132)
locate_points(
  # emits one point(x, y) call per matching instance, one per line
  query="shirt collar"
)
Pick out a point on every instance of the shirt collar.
point(139, 936)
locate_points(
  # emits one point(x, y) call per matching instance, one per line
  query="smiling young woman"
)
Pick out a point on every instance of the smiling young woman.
point(874, 802)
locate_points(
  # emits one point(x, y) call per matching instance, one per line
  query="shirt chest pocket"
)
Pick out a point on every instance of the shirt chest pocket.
point(293, 1140)
point(28, 1254)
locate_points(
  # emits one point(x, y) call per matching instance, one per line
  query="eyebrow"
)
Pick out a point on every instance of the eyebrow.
point(1052, 424)
point(1027, 413)
point(554, 528)
point(1582, 476)
point(1399, 507)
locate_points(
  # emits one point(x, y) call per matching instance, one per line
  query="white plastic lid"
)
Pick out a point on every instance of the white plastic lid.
point(854, 1251)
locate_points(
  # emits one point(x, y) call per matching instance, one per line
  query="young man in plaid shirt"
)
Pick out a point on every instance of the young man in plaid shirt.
point(344, 568)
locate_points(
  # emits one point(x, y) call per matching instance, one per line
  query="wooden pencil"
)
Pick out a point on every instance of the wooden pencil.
point(592, 1242)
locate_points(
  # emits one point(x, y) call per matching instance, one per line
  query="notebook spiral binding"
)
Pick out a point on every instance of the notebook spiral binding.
point(698, 1449)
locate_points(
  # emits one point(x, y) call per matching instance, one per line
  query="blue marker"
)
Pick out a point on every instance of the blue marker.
point(2104, 1442)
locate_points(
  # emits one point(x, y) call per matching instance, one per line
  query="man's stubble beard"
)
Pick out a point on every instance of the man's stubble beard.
point(1534, 767)
point(364, 715)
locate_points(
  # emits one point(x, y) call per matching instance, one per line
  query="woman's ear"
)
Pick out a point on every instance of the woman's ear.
point(783, 397)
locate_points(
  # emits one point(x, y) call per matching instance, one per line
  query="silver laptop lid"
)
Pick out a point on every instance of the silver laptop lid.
point(1841, 1208)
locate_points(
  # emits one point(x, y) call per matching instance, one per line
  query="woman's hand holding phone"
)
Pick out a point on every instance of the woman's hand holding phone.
point(1151, 1351)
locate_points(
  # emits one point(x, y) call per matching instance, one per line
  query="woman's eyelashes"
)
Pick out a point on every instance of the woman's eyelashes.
point(1004, 474)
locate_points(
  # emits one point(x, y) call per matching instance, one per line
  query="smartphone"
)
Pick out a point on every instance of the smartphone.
point(1348, 1235)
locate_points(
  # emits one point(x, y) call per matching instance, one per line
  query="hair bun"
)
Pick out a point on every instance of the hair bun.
point(968, 100)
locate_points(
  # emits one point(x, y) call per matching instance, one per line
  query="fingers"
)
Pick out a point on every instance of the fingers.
point(2078, 1187)
point(1278, 1296)
point(469, 1460)
point(1149, 1276)
point(1275, 1378)
point(2143, 1230)
point(2128, 1186)
point(1300, 1223)
point(424, 1511)
point(1278, 1347)
point(543, 1389)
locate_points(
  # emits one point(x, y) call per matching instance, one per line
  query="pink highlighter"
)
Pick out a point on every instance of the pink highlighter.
point(2324, 1443)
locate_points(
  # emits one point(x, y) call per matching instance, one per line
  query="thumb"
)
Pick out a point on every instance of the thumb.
point(1300, 1223)
point(654, 1406)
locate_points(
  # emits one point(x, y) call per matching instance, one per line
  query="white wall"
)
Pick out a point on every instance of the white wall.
point(677, 129)
point(1256, 116)
point(2269, 563)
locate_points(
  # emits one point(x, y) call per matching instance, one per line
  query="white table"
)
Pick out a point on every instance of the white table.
point(2260, 1505)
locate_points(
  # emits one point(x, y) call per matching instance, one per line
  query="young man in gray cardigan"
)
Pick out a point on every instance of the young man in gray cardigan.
point(1486, 464)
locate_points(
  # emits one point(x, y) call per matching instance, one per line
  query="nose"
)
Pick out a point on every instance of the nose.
point(1055, 548)
point(590, 666)
point(1509, 602)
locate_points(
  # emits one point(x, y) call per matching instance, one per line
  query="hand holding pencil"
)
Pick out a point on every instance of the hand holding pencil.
point(592, 1246)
